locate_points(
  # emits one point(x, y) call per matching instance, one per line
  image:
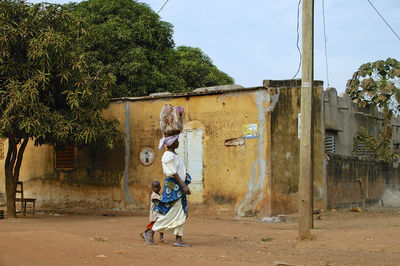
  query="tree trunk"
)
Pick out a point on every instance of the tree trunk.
point(12, 167)
point(10, 193)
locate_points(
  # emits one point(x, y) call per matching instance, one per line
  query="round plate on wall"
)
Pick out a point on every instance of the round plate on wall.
point(146, 156)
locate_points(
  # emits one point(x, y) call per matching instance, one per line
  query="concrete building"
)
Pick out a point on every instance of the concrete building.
point(346, 174)
point(343, 119)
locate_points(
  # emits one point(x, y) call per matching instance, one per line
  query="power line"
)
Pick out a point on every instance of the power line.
point(297, 40)
point(384, 20)
point(163, 6)
point(326, 51)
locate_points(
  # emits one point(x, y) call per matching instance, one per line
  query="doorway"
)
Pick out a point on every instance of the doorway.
point(191, 150)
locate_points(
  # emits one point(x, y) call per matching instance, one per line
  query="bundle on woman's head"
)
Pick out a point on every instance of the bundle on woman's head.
point(171, 124)
point(171, 119)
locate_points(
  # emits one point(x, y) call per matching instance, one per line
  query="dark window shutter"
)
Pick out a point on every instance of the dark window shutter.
point(65, 159)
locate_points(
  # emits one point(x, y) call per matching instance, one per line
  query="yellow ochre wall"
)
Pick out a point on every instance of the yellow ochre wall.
point(242, 177)
point(227, 169)
point(285, 148)
point(93, 183)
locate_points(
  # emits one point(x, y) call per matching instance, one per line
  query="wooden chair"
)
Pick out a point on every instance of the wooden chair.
point(19, 197)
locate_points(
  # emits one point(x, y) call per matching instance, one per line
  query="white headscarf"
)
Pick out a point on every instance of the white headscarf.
point(167, 141)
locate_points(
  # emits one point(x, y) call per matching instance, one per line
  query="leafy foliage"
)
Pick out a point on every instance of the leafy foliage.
point(373, 85)
point(377, 84)
point(49, 90)
point(131, 39)
point(138, 47)
point(197, 69)
point(376, 148)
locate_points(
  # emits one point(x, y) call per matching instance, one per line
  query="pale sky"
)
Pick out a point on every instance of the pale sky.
point(256, 40)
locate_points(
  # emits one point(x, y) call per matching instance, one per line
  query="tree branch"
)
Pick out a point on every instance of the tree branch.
point(8, 157)
point(19, 159)
point(12, 145)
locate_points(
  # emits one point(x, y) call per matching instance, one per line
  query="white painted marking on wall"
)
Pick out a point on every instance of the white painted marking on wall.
point(287, 174)
point(298, 125)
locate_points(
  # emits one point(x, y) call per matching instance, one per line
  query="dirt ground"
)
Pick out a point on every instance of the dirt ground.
point(217, 238)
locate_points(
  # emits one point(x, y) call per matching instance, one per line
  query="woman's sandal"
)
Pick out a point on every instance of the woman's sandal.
point(181, 245)
point(147, 239)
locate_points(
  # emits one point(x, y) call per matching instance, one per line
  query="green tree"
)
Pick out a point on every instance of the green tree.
point(49, 91)
point(197, 69)
point(130, 38)
point(376, 85)
point(374, 148)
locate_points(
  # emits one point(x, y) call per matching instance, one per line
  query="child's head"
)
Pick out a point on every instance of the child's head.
point(155, 186)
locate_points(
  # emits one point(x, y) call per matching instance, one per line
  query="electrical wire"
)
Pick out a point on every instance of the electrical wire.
point(384, 20)
point(162, 6)
point(326, 51)
point(298, 38)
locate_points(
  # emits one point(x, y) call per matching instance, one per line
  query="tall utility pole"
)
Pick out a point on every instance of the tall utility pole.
point(306, 135)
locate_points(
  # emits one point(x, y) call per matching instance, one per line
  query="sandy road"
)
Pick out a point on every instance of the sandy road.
point(341, 238)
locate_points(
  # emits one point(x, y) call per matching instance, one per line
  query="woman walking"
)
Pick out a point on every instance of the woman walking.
point(173, 204)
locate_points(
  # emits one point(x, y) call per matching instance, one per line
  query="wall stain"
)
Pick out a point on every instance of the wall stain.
point(223, 199)
point(260, 166)
point(127, 194)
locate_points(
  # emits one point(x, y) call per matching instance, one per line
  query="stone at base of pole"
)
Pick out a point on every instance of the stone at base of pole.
point(306, 237)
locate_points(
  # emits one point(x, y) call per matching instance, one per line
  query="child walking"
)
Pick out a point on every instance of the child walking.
point(155, 195)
